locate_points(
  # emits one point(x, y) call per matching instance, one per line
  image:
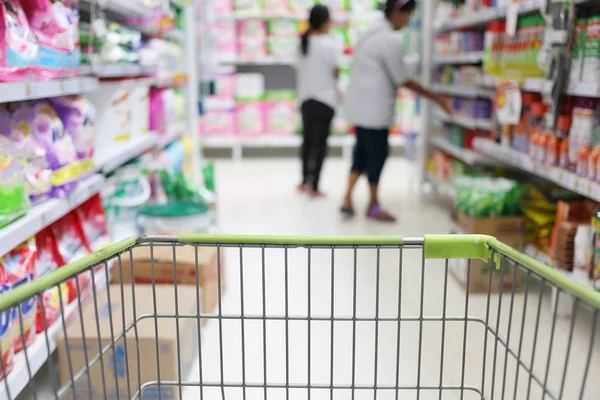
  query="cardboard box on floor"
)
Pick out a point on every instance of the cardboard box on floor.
point(185, 260)
point(508, 230)
point(120, 365)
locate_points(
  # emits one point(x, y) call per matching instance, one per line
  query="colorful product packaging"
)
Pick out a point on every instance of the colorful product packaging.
point(92, 219)
point(217, 123)
point(280, 113)
point(19, 270)
point(283, 47)
point(7, 349)
point(275, 7)
point(79, 117)
point(31, 153)
point(283, 27)
point(335, 6)
point(247, 6)
point(301, 7)
point(249, 118)
point(60, 150)
point(47, 260)
point(55, 35)
point(18, 46)
point(14, 200)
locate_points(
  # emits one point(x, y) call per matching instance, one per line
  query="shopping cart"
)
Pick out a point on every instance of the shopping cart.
point(313, 318)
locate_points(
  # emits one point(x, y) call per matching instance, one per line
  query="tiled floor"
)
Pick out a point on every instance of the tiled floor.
point(258, 197)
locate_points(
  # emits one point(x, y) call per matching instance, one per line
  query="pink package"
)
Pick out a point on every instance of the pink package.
point(225, 39)
point(276, 7)
point(18, 46)
point(252, 29)
point(157, 114)
point(60, 151)
point(225, 86)
point(280, 118)
point(56, 41)
point(17, 128)
point(250, 118)
point(251, 49)
point(222, 7)
point(217, 123)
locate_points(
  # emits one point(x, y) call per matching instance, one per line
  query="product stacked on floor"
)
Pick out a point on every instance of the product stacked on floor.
point(69, 144)
point(253, 44)
point(520, 103)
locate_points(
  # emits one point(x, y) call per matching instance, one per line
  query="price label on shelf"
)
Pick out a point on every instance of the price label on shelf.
point(31, 89)
point(595, 191)
point(554, 174)
point(583, 186)
point(569, 180)
point(512, 16)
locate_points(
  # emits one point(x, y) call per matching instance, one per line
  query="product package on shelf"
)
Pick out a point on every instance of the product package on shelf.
point(280, 113)
point(18, 269)
point(92, 219)
point(79, 117)
point(250, 117)
point(49, 260)
point(219, 123)
point(60, 150)
point(19, 49)
point(14, 198)
point(56, 28)
point(17, 127)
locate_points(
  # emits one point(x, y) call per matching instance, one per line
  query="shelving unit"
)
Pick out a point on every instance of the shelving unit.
point(565, 179)
point(465, 122)
point(91, 79)
point(469, 157)
point(463, 91)
point(465, 58)
point(443, 188)
point(45, 213)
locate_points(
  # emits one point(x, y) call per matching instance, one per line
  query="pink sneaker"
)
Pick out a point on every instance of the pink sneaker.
point(302, 188)
point(316, 194)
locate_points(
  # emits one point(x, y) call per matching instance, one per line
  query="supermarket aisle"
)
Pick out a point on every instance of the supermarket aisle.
point(259, 197)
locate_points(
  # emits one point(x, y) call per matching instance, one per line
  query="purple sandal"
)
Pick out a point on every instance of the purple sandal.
point(347, 211)
point(377, 213)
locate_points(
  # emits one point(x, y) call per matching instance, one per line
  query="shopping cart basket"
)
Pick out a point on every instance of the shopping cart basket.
point(311, 318)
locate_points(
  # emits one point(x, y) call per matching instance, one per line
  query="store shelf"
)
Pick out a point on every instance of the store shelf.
point(349, 16)
point(38, 352)
point(444, 188)
point(469, 157)
point(124, 152)
point(261, 61)
point(218, 104)
point(175, 133)
point(463, 91)
point(465, 58)
point(174, 81)
point(122, 71)
point(586, 89)
point(535, 253)
point(125, 9)
point(565, 179)
point(19, 91)
point(465, 122)
point(487, 15)
point(45, 213)
point(176, 35)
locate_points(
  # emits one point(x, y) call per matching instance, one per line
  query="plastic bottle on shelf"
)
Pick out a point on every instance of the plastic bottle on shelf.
point(578, 49)
point(593, 163)
point(582, 128)
point(535, 125)
point(562, 134)
point(591, 59)
point(582, 161)
point(552, 150)
point(492, 44)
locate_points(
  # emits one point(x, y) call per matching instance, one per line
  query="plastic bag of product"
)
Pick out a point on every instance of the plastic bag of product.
point(18, 45)
point(14, 200)
point(60, 151)
point(487, 197)
point(79, 116)
point(17, 127)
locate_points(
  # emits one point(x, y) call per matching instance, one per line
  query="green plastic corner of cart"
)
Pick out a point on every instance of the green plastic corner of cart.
point(41, 284)
point(457, 247)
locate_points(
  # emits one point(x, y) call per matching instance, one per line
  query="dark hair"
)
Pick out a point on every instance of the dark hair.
point(400, 5)
point(319, 16)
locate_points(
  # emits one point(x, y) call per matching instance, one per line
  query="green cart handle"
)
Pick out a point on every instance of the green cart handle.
point(434, 247)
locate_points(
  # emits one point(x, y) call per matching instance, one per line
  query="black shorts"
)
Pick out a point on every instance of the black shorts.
point(370, 152)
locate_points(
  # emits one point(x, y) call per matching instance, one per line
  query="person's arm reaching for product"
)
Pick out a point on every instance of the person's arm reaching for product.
point(445, 102)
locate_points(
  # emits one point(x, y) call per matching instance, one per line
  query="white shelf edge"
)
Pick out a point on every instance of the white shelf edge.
point(126, 151)
point(20, 91)
point(37, 352)
point(467, 156)
point(535, 253)
point(465, 122)
point(346, 16)
point(175, 133)
point(565, 179)
point(43, 214)
point(462, 91)
point(465, 58)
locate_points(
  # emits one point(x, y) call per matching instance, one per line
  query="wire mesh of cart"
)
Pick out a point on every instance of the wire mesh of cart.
point(235, 317)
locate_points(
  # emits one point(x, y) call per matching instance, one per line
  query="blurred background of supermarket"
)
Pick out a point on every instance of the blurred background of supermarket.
point(114, 121)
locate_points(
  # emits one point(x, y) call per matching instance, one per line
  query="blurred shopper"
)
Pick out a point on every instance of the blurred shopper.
point(377, 72)
point(317, 72)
